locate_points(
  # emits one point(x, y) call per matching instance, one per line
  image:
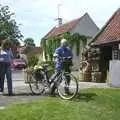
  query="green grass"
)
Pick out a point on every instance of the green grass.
point(90, 104)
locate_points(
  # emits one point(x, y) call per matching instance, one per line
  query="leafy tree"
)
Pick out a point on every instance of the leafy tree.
point(8, 26)
point(29, 41)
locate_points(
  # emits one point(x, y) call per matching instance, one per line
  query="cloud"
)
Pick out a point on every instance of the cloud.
point(37, 17)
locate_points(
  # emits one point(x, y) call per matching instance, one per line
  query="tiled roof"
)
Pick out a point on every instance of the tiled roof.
point(31, 49)
point(55, 31)
point(110, 32)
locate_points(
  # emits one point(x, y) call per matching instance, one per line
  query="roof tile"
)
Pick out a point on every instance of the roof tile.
point(111, 31)
point(55, 31)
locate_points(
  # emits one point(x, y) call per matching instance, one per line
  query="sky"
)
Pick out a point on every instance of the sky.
point(37, 17)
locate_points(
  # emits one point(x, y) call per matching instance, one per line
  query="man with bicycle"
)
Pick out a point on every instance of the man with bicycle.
point(62, 80)
point(60, 63)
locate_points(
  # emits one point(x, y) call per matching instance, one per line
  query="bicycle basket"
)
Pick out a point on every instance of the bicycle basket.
point(38, 74)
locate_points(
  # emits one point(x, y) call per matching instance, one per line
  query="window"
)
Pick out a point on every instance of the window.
point(115, 52)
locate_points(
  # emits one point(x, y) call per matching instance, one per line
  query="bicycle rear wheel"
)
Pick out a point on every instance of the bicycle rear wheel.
point(68, 89)
point(36, 86)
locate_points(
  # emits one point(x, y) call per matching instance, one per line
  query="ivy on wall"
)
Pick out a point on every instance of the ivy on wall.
point(49, 45)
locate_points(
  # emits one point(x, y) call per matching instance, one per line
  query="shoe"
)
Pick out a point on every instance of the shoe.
point(11, 94)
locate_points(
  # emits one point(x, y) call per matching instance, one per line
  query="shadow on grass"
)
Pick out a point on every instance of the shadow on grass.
point(79, 97)
point(22, 94)
point(31, 94)
point(84, 97)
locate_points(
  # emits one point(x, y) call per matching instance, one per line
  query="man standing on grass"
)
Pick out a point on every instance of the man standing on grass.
point(61, 52)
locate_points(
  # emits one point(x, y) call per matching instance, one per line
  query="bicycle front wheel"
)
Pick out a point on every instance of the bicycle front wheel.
point(68, 87)
point(36, 86)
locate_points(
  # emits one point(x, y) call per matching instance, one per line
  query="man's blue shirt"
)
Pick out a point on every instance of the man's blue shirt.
point(5, 55)
point(62, 52)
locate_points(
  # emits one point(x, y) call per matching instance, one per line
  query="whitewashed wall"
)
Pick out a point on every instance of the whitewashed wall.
point(86, 27)
point(76, 59)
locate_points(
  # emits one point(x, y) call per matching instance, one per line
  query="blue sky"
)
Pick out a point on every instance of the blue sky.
point(37, 17)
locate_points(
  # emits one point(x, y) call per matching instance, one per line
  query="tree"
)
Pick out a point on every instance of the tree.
point(8, 26)
point(29, 41)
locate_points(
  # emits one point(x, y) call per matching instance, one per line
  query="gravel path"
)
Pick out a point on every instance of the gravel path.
point(23, 93)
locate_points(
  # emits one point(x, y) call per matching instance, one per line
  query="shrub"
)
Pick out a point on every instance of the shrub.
point(32, 60)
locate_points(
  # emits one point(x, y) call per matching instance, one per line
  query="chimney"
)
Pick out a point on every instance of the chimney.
point(59, 21)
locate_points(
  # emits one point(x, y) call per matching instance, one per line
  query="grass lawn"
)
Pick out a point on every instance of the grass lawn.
point(90, 104)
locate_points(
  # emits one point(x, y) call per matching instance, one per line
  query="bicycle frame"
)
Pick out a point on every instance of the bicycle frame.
point(57, 75)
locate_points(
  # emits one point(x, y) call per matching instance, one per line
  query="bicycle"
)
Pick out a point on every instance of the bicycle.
point(66, 89)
